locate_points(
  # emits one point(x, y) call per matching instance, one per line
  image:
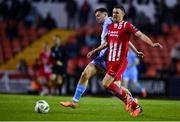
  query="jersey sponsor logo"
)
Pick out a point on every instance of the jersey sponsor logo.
point(113, 33)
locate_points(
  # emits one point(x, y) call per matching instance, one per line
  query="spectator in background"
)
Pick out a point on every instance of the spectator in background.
point(75, 67)
point(175, 53)
point(91, 39)
point(71, 9)
point(110, 5)
point(59, 60)
point(3, 9)
point(35, 67)
point(162, 12)
point(32, 17)
point(22, 66)
point(44, 72)
point(45, 54)
point(11, 29)
point(82, 60)
point(25, 9)
point(172, 69)
point(131, 11)
point(84, 13)
point(49, 22)
point(74, 46)
point(14, 9)
point(178, 69)
point(143, 22)
point(176, 10)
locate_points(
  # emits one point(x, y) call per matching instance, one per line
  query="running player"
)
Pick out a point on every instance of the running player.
point(98, 65)
point(118, 37)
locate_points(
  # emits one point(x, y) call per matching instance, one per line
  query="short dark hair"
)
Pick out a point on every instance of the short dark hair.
point(57, 36)
point(101, 10)
point(121, 7)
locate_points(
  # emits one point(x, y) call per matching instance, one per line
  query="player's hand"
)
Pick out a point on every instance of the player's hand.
point(157, 45)
point(59, 63)
point(90, 54)
point(140, 54)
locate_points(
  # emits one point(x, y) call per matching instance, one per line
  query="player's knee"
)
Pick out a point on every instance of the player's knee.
point(105, 84)
point(84, 76)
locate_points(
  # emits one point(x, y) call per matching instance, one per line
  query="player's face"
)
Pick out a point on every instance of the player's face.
point(56, 40)
point(100, 17)
point(117, 14)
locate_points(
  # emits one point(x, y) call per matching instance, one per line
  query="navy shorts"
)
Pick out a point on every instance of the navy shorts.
point(100, 61)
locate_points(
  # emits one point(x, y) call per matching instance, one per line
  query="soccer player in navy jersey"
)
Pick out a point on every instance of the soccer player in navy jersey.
point(118, 37)
point(97, 65)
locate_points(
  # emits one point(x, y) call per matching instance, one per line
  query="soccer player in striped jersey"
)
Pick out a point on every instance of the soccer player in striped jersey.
point(98, 65)
point(118, 37)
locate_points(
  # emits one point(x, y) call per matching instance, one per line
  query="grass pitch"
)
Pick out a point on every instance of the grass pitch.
point(21, 107)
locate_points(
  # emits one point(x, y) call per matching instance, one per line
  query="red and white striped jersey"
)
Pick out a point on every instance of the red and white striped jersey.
point(118, 39)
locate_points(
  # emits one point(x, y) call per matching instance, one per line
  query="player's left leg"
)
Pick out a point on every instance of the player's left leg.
point(88, 72)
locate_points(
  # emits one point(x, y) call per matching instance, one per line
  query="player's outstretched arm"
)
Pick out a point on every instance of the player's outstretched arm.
point(98, 49)
point(139, 54)
point(146, 39)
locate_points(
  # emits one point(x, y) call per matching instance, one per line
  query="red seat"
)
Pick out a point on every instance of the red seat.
point(16, 46)
point(151, 71)
point(25, 42)
point(8, 53)
point(1, 57)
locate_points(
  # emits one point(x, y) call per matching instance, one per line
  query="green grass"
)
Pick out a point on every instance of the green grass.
point(21, 107)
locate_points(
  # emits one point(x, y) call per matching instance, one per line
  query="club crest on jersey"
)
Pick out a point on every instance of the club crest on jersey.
point(120, 26)
point(115, 25)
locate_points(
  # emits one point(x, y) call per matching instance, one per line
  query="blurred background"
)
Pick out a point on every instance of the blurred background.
point(43, 45)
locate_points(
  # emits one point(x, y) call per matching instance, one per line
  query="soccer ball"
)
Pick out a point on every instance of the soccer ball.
point(42, 107)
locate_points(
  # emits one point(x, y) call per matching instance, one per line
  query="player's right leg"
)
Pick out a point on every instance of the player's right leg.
point(135, 112)
point(88, 72)
point(108, 82)
point(125, 96)
point(125, 82)
point(127, 106)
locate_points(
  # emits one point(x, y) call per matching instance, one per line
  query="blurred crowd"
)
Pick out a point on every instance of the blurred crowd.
point(20, 25)
point(163, 14)
point(165, 29)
